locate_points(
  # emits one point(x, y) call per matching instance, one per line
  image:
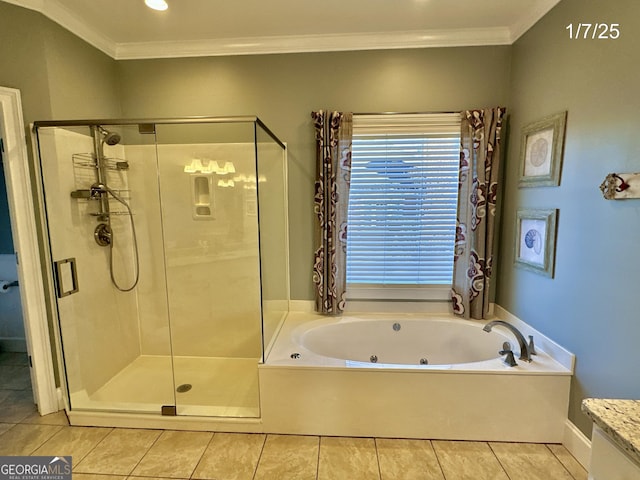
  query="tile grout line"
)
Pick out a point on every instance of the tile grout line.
point(318, 459)
point(435, 453)
point(375, 445)
point(260, 456)
point(560, 461)
point(146, 453)
point(202, 456)
point(498, 460)
point(48, 438)
point(94, 447)
point(318, 462)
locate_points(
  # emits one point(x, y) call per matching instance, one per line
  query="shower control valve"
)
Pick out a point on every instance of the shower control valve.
point(102, 235)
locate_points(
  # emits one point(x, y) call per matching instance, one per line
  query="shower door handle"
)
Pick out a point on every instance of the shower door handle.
point(65, 272)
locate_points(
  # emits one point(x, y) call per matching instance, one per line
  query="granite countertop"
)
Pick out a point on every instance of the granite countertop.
point(620, 419)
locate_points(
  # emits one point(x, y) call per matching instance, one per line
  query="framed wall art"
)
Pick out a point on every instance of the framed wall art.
point(541, 151)
point(536, 240)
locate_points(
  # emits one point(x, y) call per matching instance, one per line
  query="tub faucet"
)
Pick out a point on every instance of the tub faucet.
point(525, 353)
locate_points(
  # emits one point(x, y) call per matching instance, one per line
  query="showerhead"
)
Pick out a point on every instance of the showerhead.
point(110, 138)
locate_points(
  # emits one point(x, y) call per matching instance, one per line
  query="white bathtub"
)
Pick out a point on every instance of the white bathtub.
point(363, 376)
point(401, 341)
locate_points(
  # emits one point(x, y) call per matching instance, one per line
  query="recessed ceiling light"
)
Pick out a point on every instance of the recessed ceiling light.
point(156, 4)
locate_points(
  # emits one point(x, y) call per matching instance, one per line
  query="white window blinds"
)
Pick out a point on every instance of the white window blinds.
point(403, 199)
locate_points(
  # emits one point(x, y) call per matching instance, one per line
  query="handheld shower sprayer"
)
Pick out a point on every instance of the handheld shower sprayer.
point(103, 234)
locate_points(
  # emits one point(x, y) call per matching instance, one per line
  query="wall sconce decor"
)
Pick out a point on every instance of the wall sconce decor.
point(619, 186)
point(542, 150)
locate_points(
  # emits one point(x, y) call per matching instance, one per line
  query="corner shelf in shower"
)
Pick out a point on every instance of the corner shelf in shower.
point(84, 170)
point(88, 160)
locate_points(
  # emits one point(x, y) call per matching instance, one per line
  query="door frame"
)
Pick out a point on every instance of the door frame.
point(25, 240)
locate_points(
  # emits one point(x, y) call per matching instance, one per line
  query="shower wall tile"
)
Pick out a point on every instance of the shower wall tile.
point(174, 455)
point(211, 265)
point(99, 323)
point(153, 316)
point(74, 441)
point(407, 460)
point(289, 457)
point(352, 458)
point(231, 456)
point(535, 459)
point(468, 461)
point(119, 452)
point(23, 439)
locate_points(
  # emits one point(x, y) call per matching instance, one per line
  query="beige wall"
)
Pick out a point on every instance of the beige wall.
point(283, 90)
point(590, 306)
point(23, 60)
point(82, 81)
point(58, 74)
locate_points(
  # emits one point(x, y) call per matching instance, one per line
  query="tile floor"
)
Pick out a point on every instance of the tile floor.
point(120, 453)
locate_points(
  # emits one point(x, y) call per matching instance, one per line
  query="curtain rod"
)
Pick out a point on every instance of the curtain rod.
point(407, 113)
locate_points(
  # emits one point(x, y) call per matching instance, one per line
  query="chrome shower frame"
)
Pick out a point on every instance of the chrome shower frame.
point(52, 149)
point(103, 233)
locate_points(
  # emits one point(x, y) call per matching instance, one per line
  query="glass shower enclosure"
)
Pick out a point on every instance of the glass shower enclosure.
point(168, 252)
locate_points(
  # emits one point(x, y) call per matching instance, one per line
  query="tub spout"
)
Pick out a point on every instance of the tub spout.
point(525, 353)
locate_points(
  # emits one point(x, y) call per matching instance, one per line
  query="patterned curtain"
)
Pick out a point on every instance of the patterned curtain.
point(333, 155)
point(475, 229)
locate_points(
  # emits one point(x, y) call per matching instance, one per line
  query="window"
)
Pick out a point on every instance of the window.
point(402, 205)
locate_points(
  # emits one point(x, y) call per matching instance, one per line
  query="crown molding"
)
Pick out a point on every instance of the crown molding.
point(315, 43)
point(532, 17)
point(69, 21)
point(62, 16)
point(286, 44)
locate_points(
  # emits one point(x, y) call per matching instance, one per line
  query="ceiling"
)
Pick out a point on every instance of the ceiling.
point(127, 29)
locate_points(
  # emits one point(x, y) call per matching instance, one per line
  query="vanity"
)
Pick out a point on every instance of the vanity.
point(615, 445)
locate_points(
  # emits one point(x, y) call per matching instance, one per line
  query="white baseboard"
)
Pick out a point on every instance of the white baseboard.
point(61, 402)
point(577, 444)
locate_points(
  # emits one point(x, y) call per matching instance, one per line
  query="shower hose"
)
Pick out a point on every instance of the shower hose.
point(135, 247)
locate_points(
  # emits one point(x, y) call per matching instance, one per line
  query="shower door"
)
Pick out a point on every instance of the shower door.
point(114, 329)
point(207, 175)
point(153, 233)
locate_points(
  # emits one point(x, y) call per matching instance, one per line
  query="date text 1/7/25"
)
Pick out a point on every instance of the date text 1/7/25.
point(594, 31)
